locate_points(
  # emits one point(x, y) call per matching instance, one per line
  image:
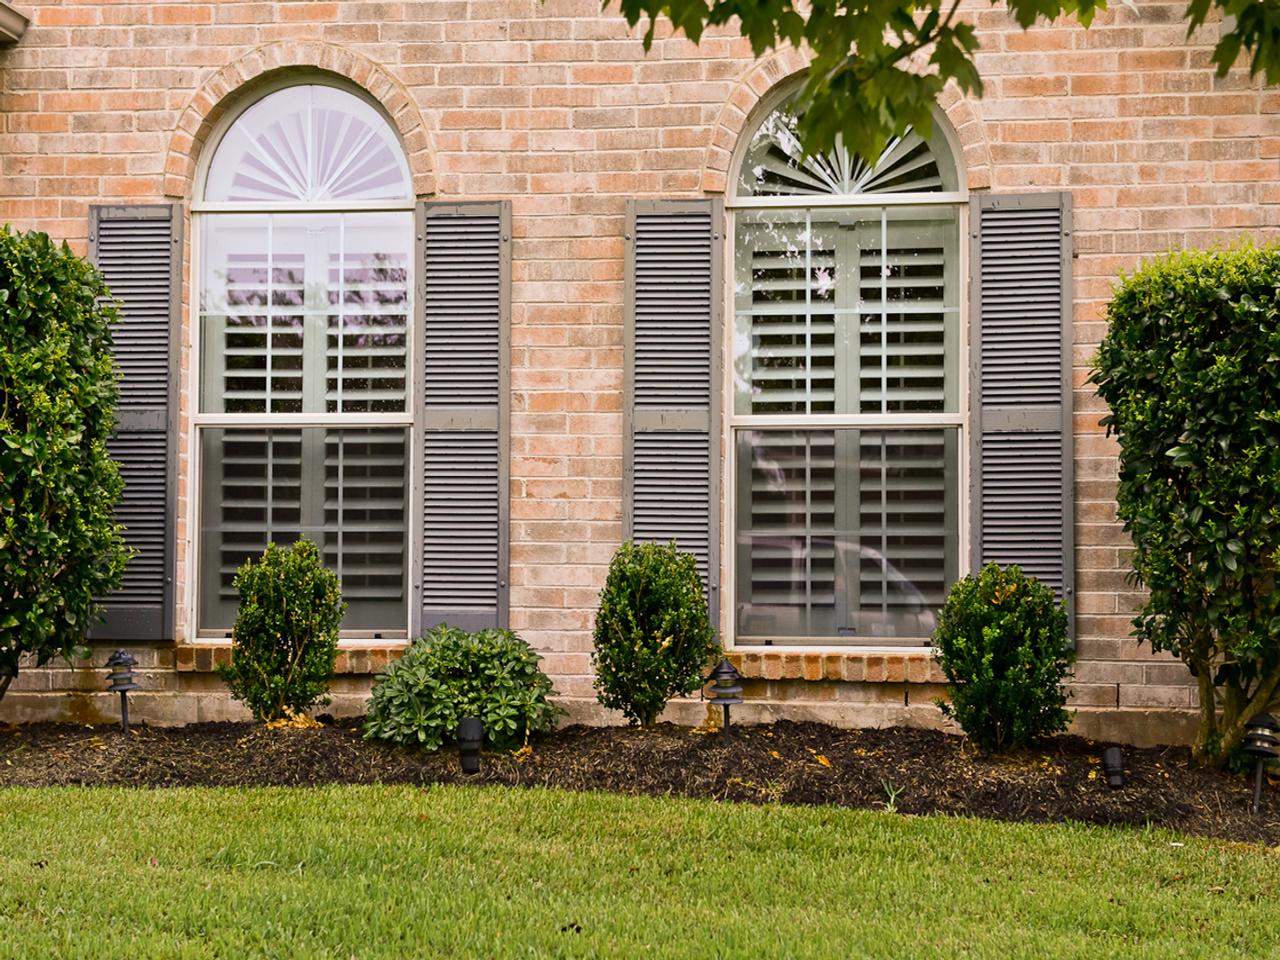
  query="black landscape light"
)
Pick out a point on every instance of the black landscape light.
point(726, 690)
point(1261, 740)
point(470, 740)
point(120, 680)
point(1113, 767)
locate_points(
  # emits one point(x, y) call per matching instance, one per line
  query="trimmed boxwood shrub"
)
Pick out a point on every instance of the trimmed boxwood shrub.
point(653, 635)
point(1190, 368)
point(285, 639)
point(449, 674)
point(1002, 642)
point(60, 547)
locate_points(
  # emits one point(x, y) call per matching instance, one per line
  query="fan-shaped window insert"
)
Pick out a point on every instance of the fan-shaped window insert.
point(309, 144)
point(775, 165)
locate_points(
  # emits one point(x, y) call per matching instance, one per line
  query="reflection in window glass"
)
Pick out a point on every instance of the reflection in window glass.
point(305, 313)
point(342, 488)
point(844, 533)
point(846, 311)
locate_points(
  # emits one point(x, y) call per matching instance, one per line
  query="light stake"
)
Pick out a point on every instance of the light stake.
point(120, 681)
point(470, 739)
point(1261, 740)
point(1113, 767)
point(726, 690)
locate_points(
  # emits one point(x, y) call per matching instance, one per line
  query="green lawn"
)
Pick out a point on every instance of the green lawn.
point(399, 872)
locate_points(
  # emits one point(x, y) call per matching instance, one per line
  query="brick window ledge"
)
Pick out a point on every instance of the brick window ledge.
point(854, 666)
point(364, 659)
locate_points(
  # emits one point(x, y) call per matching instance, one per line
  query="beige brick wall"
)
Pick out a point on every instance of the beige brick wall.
point(558, 108)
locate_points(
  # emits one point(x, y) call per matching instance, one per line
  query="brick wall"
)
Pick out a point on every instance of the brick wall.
point(559, 109)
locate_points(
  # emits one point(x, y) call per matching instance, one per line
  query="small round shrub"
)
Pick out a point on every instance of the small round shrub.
point(285, 639)
point(1002, 642)
point(653, 636)
point(60, 545)
point(449, 674)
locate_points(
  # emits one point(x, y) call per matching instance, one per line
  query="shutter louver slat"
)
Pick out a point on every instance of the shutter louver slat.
point(672, 402)
point(1022, 387)
point(137, 249)
point(465, 260)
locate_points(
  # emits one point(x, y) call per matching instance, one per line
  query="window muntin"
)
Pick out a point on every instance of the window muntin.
point(304, 312)
point(309, 144)
point(847, 399)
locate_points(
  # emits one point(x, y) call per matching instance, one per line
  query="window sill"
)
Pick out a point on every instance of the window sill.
point(356, 660)
point(854, 666)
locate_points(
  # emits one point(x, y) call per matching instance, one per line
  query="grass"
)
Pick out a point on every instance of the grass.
point(399, 872)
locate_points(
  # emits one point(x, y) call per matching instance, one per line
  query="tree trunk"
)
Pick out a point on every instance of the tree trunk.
point(4, 684)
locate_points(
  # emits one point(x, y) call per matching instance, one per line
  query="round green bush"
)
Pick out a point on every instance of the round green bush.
point(653, 636)
point(449, 674)
point(285, 639)
point(1190, 368)
point(1002, 642)
point(60, 546)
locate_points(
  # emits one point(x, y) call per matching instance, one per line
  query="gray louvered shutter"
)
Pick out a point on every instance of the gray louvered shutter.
point(464, 252)
point(139, 251)
point(1021, 356)
point(672, 406)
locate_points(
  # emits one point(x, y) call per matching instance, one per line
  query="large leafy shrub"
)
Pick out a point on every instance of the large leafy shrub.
point(60, 547)
point(285, 639)
point(653, 636)
point(449, 674)
point(1190, 368)
point(1002, 642)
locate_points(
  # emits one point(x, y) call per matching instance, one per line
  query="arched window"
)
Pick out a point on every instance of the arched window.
point(847, 409)
point(305, 300)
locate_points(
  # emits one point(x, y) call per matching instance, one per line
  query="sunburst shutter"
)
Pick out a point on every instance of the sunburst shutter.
point(465, 259)
point(139, 251)
point(672, 405)
point(1021, 349)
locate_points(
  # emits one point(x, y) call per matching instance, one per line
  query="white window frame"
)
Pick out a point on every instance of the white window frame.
point(197, 421)
point(734, 423)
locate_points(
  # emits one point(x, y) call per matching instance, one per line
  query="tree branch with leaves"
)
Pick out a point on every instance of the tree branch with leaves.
point(878, 66)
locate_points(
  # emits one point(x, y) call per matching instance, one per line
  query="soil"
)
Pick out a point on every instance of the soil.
point(911, 771)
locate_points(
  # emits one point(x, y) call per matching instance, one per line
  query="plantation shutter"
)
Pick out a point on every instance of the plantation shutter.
point(139, 251)
point(1021, 359)
point(852, 531)
point(465, 259)
point(672, 406)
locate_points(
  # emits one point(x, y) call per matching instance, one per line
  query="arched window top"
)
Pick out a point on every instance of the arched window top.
point(775, 166)
point(311, 143)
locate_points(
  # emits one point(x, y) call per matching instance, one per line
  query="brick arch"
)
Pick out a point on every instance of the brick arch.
point(787, 62)
point(219, 91)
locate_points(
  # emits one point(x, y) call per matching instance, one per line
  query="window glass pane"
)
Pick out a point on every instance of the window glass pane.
point(305, 312)
point(776, 166)
point(844, 535)
point(309, 143)
point(345, 489)
point(852, 311)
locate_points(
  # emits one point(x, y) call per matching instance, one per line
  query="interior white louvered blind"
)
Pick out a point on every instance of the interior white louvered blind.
point(345, 489)
point(775, 165)
point(845, 532)
point(138, 250)
point(671, 465)
point(309, 143)
point(1022, 461)
point(464, 252)
point(305, 313)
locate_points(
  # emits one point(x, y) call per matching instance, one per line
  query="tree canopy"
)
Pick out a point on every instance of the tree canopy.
point(865, 84)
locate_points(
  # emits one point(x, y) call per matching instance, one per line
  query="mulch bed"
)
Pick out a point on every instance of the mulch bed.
point(803, 763)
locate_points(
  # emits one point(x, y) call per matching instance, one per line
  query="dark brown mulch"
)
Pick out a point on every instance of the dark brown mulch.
point(806, 763)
